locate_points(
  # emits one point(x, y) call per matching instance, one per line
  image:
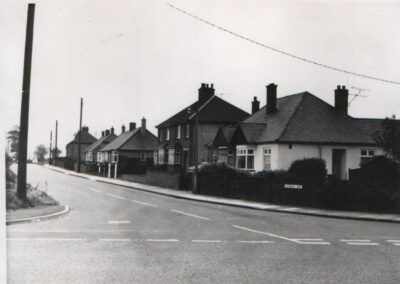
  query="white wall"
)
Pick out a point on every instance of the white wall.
point(282, 156)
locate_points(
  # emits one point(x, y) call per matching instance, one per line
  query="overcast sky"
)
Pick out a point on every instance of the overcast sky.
point(130, 59)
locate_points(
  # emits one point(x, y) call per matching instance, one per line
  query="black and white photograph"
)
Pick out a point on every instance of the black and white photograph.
point(200, 141)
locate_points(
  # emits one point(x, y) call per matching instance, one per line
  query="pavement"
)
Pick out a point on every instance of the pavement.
point(37, 213)
point(238, 203)
point(114, 234)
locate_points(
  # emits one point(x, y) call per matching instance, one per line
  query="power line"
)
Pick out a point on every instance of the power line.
point(280, 51)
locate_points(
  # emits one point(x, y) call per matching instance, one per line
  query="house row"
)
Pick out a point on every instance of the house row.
point(211, 130)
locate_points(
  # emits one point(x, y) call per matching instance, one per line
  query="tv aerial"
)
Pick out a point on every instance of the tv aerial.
point(358, 93)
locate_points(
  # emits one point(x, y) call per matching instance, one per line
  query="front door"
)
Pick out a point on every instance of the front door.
point(339, 163)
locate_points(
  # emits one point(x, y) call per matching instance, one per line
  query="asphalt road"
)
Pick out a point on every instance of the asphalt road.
point(119, 235)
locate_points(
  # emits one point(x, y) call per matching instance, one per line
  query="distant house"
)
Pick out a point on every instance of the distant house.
point(303, 126)
point(92, 154)
point(176, 134)
point(72, 147)
point(130, 152)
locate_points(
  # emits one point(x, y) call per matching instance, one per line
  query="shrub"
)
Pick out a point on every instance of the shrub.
point(221, 169)
point(308, 168)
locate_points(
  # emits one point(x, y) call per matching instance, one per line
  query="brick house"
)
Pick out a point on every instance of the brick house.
point(92, 154)
point(72, 147)
point(130, 152)
point(303, 126)
point(176, 134)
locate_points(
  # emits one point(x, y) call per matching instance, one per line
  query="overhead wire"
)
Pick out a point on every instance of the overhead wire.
point(281, 51)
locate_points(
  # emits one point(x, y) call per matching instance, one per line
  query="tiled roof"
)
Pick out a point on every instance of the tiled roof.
point(304, 118)
point(86, 138)
point(99, 143)
point(215, 110)
point(132, 140)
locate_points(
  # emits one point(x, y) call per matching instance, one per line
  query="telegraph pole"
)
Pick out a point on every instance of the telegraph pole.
point(51, 138)
point(79, 138)
point(55, 148)
point(24, 121)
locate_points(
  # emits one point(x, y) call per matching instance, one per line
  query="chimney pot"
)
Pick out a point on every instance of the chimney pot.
point(143, 128)
point(205, 92)
point(341, 99)
point(102, 134)
point(123, 128)
point(112, 130)
point(271, 98)
point(132, 126)
point(255, 105)
point(107, 132)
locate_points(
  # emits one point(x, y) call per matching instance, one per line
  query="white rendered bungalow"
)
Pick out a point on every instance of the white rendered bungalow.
point(303, 126)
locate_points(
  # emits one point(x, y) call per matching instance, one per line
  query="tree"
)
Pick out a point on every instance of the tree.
point(13, 138)
point(40, 153)
point(388, 138)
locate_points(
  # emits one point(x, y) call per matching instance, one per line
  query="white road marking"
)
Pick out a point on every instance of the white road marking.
point(297, 241)
point(256, 242)
point(93, 189)
point(115, 240)
point(191, 215)
point(119, 222)
point(308, 240)
point(144, 203)
point(162, 240)
point(44, 239)
point(115, 196)
point(206, 241)
point(362, 244)
point(360, 241)
point(396, 244)
point(393, 241)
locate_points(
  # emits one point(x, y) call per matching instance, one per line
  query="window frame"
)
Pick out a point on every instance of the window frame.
point(178, 132)
point(114, 157)
point(267, 152)
point(168, 134)
point(246, 153)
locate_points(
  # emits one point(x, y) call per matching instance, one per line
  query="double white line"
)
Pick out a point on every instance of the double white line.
point(359, 243)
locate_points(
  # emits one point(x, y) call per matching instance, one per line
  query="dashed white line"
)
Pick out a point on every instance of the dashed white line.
point(255, 242)
point(115, 240)
point(393, 241)
point(45, 239)
point(115, 196)
point(93, 189)
point(119, 222)
point(162, 240)
point(206, 241)
point(356, 241)
point(191, 215)
point(362, 244)
point(143, 203)
point(297, 241)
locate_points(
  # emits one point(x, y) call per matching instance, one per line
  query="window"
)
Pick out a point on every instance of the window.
point(178, 132)
point(155, 158)
point(171, 156)
point(99, 157)
point(187, 130)
point(89, 156)
point(267, 159)
point(143, 156)
point(177, 157)
point(167, 138)
point(114, 157)
point(366, 154)
point(160, 132)
point(161, 156)
point(245, 159)
point(106, 157)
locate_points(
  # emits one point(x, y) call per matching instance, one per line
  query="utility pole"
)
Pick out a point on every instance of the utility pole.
point(51, 138)
point(24, 121)
point(55, 148)
point(79, 138)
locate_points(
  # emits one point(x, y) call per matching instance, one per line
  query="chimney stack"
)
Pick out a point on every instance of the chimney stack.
point(271, 98)
point(341, 99)
point(132, 126)
point(112, 130)
point(107, 132)
point(102, 134)
point(206, 92)
point(123, 128)
point(143, 128)
point(255, 105)
point(85, 129)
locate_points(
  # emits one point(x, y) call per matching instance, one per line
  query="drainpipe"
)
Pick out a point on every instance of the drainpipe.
point(115, 170)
